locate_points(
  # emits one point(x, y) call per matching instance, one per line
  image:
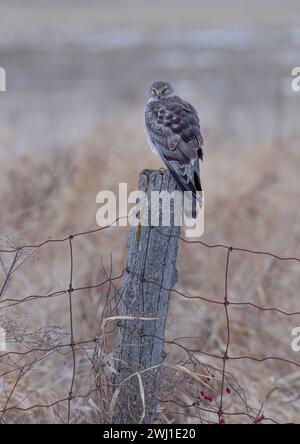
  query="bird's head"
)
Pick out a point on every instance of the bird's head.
point(160, 90)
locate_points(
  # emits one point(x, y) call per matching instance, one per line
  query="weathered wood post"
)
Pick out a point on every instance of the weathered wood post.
point(150, 273)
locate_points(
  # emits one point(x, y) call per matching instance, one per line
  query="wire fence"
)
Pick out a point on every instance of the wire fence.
point(209, 404)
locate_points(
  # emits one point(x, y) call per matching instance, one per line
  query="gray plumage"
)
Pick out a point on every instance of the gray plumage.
point(173, 131)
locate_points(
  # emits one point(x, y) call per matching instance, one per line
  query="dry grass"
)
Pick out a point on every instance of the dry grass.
point(59, 198)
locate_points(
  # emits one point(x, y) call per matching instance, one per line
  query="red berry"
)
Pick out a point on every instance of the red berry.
point(260, 419)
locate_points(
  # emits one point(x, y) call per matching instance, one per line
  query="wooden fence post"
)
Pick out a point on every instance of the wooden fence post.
point(150, 273)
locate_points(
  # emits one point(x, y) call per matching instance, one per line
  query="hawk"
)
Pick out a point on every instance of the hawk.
point(173, 131)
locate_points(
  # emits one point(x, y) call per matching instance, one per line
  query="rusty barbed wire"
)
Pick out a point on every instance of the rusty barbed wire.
point(90, 343)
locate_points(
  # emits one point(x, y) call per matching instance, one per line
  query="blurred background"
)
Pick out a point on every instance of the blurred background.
point(78, 74)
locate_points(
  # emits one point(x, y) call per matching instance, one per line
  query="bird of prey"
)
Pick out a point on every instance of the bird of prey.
point(173, 131)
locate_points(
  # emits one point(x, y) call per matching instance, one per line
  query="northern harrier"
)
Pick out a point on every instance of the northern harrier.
point(173, 131)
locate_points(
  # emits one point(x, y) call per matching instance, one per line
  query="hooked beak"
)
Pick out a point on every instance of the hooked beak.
point(158, 93)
